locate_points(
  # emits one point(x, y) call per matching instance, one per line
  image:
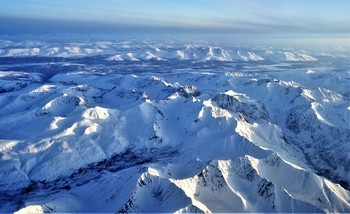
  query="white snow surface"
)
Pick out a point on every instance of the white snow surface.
point(121, 51)
point(254, 138)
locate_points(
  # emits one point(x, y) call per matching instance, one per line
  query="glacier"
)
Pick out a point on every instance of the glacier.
point(173, 127)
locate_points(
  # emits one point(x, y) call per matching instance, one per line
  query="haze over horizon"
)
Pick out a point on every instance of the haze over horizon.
point(223, 16)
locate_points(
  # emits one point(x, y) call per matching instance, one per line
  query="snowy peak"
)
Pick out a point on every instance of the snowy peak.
point(203, 53)
point(298, 57)
point(217, 53)
point(237, 186)
point(249, 56)
point(155, 194)
point(61, 106)
point(238, 103)
point(209, 191)
point(129, 51)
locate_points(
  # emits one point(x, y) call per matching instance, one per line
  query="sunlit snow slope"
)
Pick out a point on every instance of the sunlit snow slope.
point(151, 127)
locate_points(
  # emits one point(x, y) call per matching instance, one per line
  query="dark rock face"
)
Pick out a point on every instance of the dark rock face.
point(251, 111)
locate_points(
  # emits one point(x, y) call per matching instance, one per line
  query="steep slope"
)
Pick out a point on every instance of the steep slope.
point(155, 127)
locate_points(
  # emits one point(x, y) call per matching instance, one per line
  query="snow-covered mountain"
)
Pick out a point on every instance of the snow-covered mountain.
point(127, 51)
point(123, 127)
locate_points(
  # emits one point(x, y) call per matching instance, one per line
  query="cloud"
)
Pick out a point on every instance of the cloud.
point(258, 23)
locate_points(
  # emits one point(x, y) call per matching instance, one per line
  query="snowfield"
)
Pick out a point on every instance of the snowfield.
point(173, 128)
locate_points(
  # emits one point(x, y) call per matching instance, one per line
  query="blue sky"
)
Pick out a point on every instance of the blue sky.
point(252, 16)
